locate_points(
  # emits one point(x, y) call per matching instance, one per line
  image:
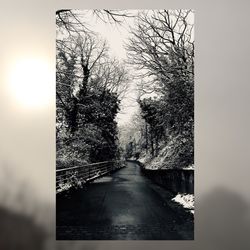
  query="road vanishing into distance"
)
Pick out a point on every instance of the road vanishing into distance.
point(125, 205)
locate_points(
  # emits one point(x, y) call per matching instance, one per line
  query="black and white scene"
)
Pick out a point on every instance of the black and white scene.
point(125, 124)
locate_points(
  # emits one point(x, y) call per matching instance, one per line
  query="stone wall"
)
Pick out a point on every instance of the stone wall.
point(175, 180)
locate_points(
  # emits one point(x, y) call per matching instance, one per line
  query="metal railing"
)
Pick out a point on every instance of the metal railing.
point(78, 175)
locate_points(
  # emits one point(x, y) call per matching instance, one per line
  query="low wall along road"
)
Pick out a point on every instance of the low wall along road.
point(174, 180)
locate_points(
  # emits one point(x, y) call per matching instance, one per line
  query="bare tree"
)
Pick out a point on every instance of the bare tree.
point(161, 49)
point(71, 21)
point(112, 75)
point(162, 45)
point(112, 16)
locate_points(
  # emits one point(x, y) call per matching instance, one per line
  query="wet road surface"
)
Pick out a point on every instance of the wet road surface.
point(123, 206)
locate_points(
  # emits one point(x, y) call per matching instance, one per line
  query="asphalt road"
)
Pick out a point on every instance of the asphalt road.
point(123, 206)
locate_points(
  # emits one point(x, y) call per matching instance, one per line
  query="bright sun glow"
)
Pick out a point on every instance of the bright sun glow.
point(32, 82)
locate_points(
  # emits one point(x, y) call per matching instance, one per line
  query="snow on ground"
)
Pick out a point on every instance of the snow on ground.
point(190, 167)
point(164, 160)
point(64, 187)
point(156, 162)
point(144, 158)
point(186, 200)
point(103, 179)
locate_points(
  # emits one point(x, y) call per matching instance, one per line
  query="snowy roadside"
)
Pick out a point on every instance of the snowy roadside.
point(190, 167)
point(186, 200)
point(157, 162)
point(165, 159)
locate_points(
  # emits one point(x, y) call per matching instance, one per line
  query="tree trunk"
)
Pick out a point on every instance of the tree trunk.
point(152, 145)
point(156, 145)
point(146, 136)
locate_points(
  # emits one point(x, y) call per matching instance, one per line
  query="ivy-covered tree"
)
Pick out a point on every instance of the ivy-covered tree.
point(89, 86)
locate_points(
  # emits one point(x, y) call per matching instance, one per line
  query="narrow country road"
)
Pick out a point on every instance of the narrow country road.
point(123, 206)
